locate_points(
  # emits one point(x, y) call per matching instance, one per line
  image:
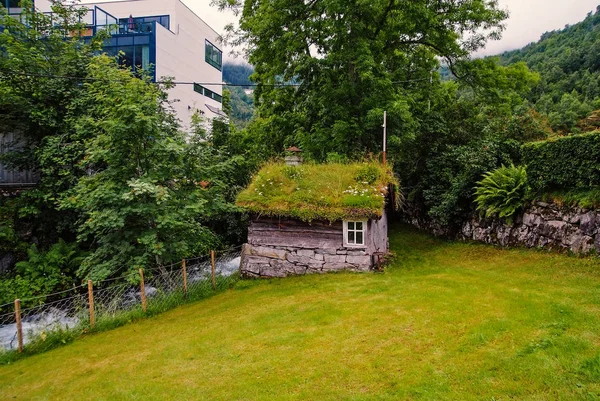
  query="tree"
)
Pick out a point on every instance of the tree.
point(149, 189)
point(42, 64)
point(352, 60)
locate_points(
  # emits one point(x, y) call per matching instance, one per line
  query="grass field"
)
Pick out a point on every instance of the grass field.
point(446, 321)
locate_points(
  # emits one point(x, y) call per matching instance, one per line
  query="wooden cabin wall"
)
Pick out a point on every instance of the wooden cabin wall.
point(282, 247)
point(377, 237)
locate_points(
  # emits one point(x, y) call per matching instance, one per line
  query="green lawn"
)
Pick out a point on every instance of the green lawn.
point(445, 321)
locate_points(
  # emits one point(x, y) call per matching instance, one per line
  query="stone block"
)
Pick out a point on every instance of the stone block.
point(467, 230)
point(248, 274)
point(357, 253)
point(341, 252)
point(335, 258)
point(257, 260)
point(318, 257)
point(587, 223)
point(292, 258)
point(305, 252)
point(543, 241)
point(597, 244)
point(531, 219)
point(298, 269)
point(282, 265)
point(326, 251)
point(581, 244)
point(251, 268)
point(554, 229)
point(314, 269)
point(267, 252)
point(503, 235)
point(305, 260)
point(359, 260)
point(315, 265)
point(522, 234)
point(270, 271)
point(334, 266)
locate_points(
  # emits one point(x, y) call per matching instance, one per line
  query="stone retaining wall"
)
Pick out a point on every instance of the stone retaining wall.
point(282, 261)
point(543, 225)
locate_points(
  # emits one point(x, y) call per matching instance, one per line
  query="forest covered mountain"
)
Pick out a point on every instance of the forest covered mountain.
point(242, 101)
point(568, 62)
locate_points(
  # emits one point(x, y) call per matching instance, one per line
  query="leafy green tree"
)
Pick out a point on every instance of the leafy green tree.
point(42, 64)
point(351, 60)
point(147, 190)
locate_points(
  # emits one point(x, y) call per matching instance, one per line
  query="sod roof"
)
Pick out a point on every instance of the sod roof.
point(309, 192)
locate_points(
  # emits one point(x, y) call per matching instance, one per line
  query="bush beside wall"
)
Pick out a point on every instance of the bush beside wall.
point(564, 163)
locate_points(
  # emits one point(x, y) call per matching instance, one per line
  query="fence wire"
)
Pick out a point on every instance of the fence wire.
point(68, 314)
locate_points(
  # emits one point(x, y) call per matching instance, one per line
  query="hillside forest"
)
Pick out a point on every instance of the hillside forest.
point(122, 187)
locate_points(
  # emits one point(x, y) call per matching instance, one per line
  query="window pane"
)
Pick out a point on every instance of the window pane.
point(137, 54)
point(351, 237)
point(145, 57)
point(359, 237)
point(350, 225)
point(212, 55)
point(126, 58)
point(111, 51)
point(359, 225)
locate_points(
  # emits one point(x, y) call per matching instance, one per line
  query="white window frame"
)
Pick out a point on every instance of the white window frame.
point(364, 233)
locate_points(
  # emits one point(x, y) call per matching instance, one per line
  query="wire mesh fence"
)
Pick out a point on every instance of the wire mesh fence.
point(110, 303)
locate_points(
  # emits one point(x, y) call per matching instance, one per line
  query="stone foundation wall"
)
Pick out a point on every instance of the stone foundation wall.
point(282, 261)
point(543, 225)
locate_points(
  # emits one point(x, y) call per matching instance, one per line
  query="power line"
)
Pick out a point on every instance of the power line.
point(27, 74)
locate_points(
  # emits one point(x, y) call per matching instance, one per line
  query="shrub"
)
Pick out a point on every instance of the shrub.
point(563, 163)
point(450, 175)
point(502, 191)
point(43, 273)
point(334, 157)
point(369, 173)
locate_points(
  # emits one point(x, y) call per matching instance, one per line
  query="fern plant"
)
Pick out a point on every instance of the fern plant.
point(502, 192)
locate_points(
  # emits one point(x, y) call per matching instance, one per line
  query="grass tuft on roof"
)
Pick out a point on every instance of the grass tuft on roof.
point(331, 192)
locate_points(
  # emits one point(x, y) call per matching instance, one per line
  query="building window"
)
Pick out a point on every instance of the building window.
point(135, 57)
point(354, 233)
point(208, 93)
point(212, 55)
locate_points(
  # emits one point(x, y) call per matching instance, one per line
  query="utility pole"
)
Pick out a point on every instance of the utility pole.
point(384, 136)
point(429, 97)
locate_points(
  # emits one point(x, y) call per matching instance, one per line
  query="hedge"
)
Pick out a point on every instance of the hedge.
point(563, 163)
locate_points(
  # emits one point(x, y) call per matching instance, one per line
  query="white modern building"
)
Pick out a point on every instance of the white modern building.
point(168, 39)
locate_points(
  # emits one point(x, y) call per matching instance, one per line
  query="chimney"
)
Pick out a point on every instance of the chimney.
point(293, 156)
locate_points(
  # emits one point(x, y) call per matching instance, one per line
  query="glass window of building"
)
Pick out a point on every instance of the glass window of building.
point(213, 55)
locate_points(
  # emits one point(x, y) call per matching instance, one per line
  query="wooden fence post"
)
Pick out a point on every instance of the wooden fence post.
point(212, 269)
point(184, 270)
point(91, 303)
point(143, 290)
point(19, 324)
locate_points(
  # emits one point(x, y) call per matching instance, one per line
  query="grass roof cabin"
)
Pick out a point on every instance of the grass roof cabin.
point(315, 218)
